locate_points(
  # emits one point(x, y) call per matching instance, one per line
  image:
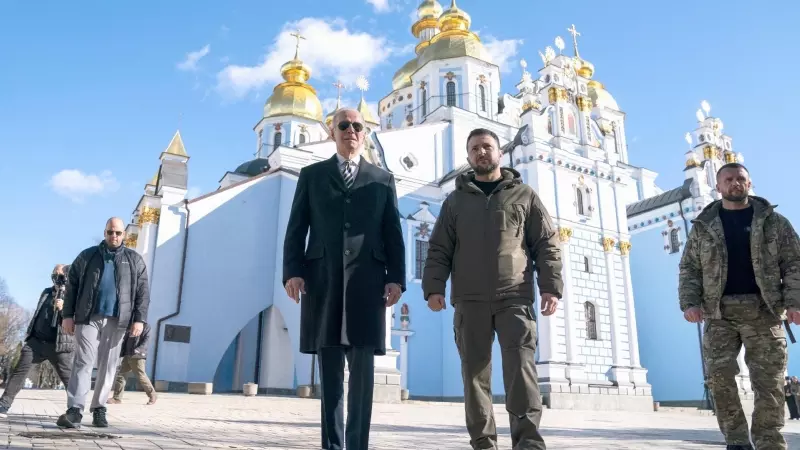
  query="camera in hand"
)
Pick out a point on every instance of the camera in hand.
point(59, 286)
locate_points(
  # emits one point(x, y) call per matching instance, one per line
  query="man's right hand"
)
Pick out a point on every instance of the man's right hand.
point(68, 325)
point(436, 302)
point(294, 287)
point(693, 315)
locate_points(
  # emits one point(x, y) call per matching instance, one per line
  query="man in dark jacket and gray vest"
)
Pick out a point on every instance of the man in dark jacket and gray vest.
point(488, 231)
point(44, 340)
point(107, 296)
point(134, 354)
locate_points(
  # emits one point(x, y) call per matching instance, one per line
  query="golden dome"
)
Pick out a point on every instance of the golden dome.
point(584, 68)
point(294, 97)
point(429, 9)
point(455, 39)
point(601, 97)
point(402, 78)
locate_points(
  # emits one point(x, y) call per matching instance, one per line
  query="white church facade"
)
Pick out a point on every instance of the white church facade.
point(220, 314)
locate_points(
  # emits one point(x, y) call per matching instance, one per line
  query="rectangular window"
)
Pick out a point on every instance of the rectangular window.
point(421, 255)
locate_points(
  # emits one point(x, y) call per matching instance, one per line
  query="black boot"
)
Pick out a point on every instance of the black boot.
point(99, 419)
point(71, 419)
point(739, 447)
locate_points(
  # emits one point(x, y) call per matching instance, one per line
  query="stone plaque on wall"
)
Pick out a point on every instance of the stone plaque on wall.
point(177, 333)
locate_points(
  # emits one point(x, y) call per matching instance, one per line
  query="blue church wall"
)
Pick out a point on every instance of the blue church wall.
point(669, 347)
point(223, 379)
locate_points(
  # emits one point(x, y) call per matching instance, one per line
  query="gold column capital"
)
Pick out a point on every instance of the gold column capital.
point(564, 234)
point(624, 248)
point(608, 244)
point(149, 215)
point(131, 240)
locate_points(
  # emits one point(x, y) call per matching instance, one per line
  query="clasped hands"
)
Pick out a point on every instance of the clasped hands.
point(296, 286)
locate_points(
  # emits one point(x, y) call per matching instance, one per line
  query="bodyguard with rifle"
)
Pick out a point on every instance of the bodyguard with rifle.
point(44, 340)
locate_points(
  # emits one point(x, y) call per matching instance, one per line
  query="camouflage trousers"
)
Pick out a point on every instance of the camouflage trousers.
point(747, 321)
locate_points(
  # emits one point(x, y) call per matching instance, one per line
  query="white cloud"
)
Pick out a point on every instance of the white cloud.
point(76, 185)
point(502, 51)
point(192, 58)
point(329, 48)
point(380, 6)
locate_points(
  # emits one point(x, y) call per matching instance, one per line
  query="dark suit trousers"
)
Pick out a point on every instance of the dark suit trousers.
point(32, 354)
point(361, 362)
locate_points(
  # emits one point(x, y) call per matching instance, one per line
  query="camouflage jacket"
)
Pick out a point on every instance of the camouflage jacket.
point(775, 252)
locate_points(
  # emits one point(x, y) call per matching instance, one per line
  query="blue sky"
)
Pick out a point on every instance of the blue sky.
point(97, 89)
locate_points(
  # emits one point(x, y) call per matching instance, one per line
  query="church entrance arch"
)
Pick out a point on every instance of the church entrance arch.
point(260, 353)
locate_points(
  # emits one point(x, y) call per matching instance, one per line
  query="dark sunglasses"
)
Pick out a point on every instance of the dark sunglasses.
point(357, 126)
point(113, 233)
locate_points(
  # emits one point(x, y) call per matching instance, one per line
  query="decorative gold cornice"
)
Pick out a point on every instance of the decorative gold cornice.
point(149, 215)
point(730, 157)
point(708, 152)
point(131, 240)
point(624, 248)
point(556, 94)
point(584, 104)
point(564, 234)
point(608, 244)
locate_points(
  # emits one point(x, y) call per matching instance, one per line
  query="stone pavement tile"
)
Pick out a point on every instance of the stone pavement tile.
point(183, 421)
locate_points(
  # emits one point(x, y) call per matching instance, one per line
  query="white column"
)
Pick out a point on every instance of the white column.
point(569, 303)
point(633, 334)
point(148, 232)
point(616, 332)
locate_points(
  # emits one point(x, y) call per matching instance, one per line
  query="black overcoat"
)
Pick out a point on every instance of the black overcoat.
point(355, 248)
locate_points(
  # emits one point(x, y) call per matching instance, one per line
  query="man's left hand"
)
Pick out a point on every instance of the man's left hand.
point(549, 304)
point(392, 294)
point(136, 329)
point(59, 304)
point(793, 316)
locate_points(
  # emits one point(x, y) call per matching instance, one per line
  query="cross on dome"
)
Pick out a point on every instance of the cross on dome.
point(575, 34)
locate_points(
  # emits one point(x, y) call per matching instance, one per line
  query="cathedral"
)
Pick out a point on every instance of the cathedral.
point(221, 317)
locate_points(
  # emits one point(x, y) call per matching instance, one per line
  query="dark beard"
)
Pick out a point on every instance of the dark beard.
point(735, 198)
point(480, 170)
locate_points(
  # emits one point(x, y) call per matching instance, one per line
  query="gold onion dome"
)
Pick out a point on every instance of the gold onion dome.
point(429, 9)
point(601, 97)
point(294, 97)
point(455, 39)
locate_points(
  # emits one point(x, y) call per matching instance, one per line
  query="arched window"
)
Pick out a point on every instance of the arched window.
point(674, 241)
point(276, 140)
point(451, 93)
point(586, 266)
point(423, 95)
point(302, 138)
point(482, 92)
point(591, 321)
point(579, 200)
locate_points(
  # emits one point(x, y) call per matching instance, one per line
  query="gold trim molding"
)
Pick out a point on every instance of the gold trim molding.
point(624, 248)
point(608, 244)
point(584, 104)
point(556, 94)
point(149, 215)
point(131, 241)
point(564, 234)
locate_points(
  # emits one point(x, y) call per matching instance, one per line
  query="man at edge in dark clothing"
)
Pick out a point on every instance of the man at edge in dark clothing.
point(44, 341)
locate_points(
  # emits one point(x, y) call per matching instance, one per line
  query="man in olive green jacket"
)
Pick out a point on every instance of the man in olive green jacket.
point(488, 231)
point(740, 272)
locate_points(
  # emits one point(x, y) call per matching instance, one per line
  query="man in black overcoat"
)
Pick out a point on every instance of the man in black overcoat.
point(352, 270)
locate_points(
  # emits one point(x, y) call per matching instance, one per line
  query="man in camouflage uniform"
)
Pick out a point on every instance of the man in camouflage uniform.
point(740, 272)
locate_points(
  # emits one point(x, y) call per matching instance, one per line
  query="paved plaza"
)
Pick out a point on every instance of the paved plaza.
point(183, 421)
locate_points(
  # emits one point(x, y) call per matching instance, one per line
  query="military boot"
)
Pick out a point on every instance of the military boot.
point(70, 419)
point(739, 447)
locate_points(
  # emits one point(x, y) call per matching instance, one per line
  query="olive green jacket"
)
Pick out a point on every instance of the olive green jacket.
point(775, 253)
point(489, 244)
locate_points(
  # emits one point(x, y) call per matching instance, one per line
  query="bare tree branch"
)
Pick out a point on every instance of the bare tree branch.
point(13, 325)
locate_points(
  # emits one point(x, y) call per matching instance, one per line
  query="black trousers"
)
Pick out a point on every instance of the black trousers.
point(32, 354)
point(794, 412)
point(361, 363)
